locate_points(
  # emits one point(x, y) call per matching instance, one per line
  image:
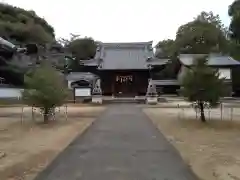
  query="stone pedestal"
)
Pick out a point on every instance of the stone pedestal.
point(152, 100)
point(97, 99)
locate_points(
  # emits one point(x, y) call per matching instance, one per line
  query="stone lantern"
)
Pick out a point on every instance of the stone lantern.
point(97, 93)
point(151, 96)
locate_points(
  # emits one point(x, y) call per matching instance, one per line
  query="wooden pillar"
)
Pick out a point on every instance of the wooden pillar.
point(113, 85)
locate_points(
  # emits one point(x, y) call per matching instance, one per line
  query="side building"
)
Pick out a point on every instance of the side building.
point(224, 64)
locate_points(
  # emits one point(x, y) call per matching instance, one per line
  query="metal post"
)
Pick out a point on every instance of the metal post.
point(231, 113)
point(66, 112)
point(178, 112)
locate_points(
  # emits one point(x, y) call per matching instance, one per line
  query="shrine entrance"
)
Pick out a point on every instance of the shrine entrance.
point(124, 85)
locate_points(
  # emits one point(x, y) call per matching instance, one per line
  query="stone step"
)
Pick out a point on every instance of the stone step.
point(124, 100)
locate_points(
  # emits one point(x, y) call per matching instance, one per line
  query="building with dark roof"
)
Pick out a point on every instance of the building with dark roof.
point(224, 64)
point(123, 68)
point(126, 68)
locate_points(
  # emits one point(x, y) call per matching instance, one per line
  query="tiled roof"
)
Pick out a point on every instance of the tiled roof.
point(213, 60)
point(133, 55)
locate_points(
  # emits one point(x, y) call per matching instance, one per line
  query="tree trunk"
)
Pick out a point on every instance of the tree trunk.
point(46, 116)
point(202, 111)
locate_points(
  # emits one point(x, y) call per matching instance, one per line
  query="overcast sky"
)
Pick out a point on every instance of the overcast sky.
point(121, 20)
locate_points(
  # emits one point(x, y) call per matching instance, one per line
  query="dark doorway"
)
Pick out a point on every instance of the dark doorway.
point(124, 85)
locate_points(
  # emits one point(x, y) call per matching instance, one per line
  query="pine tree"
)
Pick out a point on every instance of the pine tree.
point(44, 89)
point(201, 84)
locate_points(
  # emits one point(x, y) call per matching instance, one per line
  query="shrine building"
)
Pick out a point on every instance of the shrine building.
point(125, 69)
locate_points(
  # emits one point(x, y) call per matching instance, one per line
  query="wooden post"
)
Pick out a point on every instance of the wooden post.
point(231, 113)
point(221, 108)
point(178, 112)
point(74, 95)
point(22, 115)
point(208, 113)
point(33, 115)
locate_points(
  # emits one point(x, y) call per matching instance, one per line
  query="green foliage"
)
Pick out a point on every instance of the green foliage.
point(234, 13)
point(202, 84)
point(44, 89)
point(21, 26)
point(167, 48)
point(203, 35)
point(200, 37)
point(83, 48)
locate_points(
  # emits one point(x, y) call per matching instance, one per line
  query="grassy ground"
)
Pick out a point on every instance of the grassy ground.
point(211, 149)
point(27, 147)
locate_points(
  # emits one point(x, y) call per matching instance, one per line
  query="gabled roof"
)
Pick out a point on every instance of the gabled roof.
point(133, 55)
point(126, 55)
point(213, 60)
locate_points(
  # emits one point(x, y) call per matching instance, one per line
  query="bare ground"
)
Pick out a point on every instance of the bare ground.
point(211, 149)
point(26, 147)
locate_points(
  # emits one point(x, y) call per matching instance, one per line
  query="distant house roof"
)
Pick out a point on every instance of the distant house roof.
point(133, 55)
point(90, 62)
point(213, 60)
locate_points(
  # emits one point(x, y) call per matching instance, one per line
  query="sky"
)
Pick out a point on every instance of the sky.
point(121, 20)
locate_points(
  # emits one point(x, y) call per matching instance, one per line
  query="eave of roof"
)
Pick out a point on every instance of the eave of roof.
point(167, 82)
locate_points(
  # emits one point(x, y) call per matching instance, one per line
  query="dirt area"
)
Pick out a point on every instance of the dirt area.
point(27, 146)
point(211, 149)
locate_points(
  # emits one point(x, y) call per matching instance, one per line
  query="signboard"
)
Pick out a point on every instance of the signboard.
point(124, 78)
point(82, 92)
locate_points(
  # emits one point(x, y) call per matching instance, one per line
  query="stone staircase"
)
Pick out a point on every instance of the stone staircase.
point(136, 100)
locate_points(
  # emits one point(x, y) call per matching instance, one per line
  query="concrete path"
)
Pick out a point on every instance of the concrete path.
point(122, 144)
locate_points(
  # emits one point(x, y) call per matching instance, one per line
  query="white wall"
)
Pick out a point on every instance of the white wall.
point(83, 92)
point(10, 93)
point(224, 73)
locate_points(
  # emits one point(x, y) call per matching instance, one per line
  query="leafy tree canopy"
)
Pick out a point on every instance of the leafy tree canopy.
point(234, 13)
point(201, 36)
point(82, 48)
point(21, 26)
point(165, 48)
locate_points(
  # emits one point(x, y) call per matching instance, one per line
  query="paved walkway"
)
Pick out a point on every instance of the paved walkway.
point(121, 145)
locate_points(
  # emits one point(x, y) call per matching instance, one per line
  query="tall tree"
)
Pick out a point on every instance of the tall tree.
point(201, 84)
point(82, 48)
point(234, 13)
point(203, 35)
